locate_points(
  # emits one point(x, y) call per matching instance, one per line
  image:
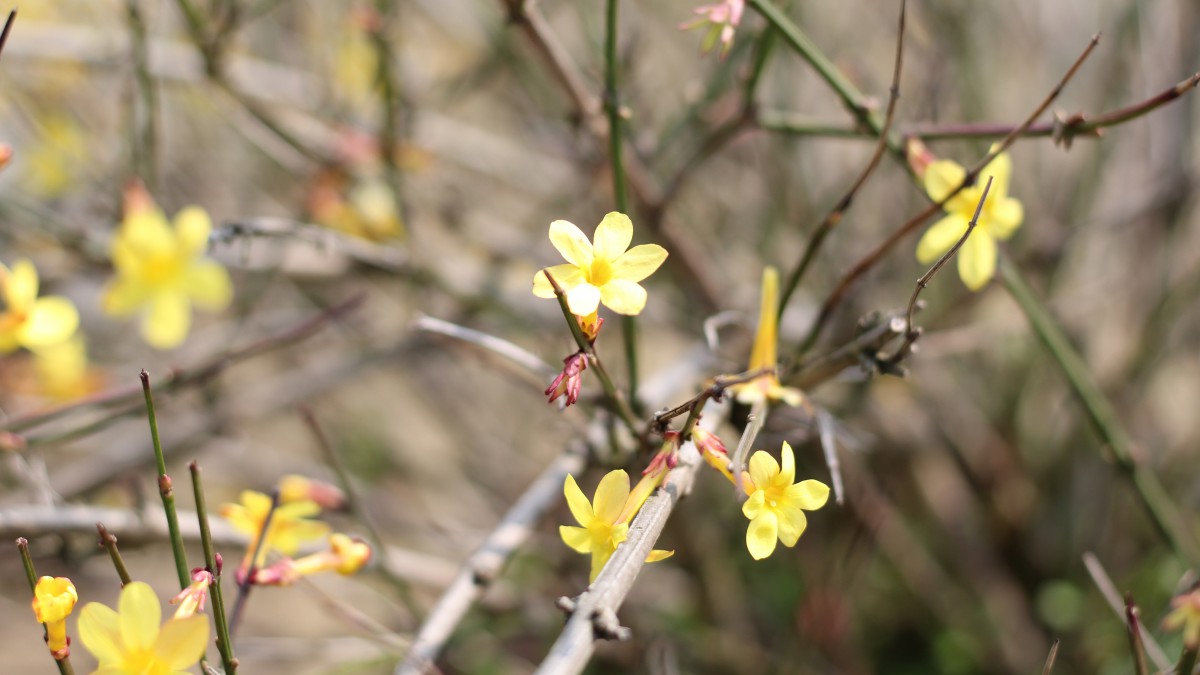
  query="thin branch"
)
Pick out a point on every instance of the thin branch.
point(1109, 590)
point(1136, 647)
point(1048, 667)
point(8, 24)
point(754, 424)
point(834, 217)
point(487, 342)
point(868, 261)
point(109, 542)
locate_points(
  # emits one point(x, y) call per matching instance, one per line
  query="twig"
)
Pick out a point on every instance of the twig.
point(224, 644)
point(825, 431)
point(868, 261)
point(390, 258)
point(145, 136)
point(165, 489)
point(834, 217)
point(1135, 636)
point(754, 424)
point(526, 359)
point(1051, 657)
point(1109, 590)
point(8, 24)
point(485, 563)
point(109, 543)
point(246, 583)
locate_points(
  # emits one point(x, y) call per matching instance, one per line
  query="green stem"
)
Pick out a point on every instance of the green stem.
point(1187, 661)
point(224, 645)
point(164, 487)
point(109, 542)
point(1102, 415)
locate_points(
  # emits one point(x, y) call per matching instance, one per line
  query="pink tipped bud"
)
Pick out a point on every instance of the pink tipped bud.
point(570, 381)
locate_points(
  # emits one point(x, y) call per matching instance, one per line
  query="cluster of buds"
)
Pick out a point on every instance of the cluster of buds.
point(570, 381)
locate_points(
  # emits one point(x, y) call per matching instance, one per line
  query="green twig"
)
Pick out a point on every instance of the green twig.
point(1102, 415)
point(109, 542)
point(1136, 647)
point(164, 487)
point(224, 644)
point(1187, 660)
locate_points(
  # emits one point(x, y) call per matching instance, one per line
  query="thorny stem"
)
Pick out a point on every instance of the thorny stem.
point(834, 217)
point(224, 645)
point(164, 487)
point(621, 406)
point(109, 542)
point(867, 262)
point(64, 664)
point(1102, 415)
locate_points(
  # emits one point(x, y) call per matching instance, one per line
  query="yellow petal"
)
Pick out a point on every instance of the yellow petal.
point(762, 535)
point(940, 237)
point(942, 177)
point(977, 260)
point(20, 286)
point(610, 496)
point(658, 554)
point(763, 354)
point(580, 507)
point(1004, 217)
point(99, 629)
point(613, 235)
point(583, 299)
point(192, 227)
point(623, 297)
point(168, 320)
point(599, 560)
point(182, 642)
point(567, 276)
point(208, 284)
point(577, 538)
point(571, 242)
point(124, 296)
point(754, 505)
point(763, 468)
point(791, 524)
point(809, 495)
point(639, 262)
point(51, 320)
point(1000, 171)
point(787, 475)
point(140, 615)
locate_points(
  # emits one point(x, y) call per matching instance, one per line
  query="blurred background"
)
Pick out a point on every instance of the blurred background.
point(974, 486)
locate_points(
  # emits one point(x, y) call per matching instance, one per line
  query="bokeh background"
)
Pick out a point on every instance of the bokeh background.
point(975, 485)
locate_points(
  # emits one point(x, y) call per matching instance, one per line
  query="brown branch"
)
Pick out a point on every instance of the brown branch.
point(8, 24)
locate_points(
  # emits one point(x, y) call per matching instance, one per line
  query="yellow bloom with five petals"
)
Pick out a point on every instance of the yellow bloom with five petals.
point(1000, 217)
point(604, 270)
point(131, 641)
point(27, 320)
point(53, 600)
point(776, 506)
point(162, 270)
point(290, 525)
point(605, 520)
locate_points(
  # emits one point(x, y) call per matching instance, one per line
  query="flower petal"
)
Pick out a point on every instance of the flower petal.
point(577, 538)
point(754, 505)
point(192, 227)
point(791, 524)
point(940, 237)
point(580, 507)
point(613, 235)
point(124, 296)
point(943, 177)
point(599, 560)
point(583, 299)
point(571, 242)
point(168, 320)
point(20, 286)
point(623, 296)
point(766, 336)
point(763, 468)
point(639, 262)
point(977, 260)
point(182, 642)
point(611, 494)
point(787, 475)
point(140, 615)
point(1000, 171)
point(762, 535)
point(99, 629)
point(51, 320)
point(1005, 217)
point(809, 495)
point(208, 284)
point(567, 275)
point(658, 554)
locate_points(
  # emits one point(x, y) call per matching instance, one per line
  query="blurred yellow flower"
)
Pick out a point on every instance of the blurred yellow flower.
point(27, 320)
point(1185, 614)
point(162, 270)
point(345, 556)
point(1000, 217)
point(290, 525)
point(131, 641)
point(62, 370)
point(775, 506)
point(602, 271)
point(53, 600)
point(605, 520)
point(763, 355)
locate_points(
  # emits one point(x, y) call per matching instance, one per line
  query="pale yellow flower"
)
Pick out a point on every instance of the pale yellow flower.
point(62, 369)
point(776, 506)
point(600, 271)
point(1000, 217)
point(345, 555)
point(605, 520)
point(131, 641)
point(763, 355)
point(53, 600)
point(290, 525)
point(162, 271)
point(27, 320)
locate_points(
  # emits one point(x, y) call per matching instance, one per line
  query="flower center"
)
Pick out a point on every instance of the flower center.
point(600, 272)
point(160, 269)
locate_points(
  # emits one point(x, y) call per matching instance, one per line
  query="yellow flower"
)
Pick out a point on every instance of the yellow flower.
point(762, 356)
point(63, 372)
point(130, 641)
point(162, 270)
point(1186, 615)
point(602, 271)
point(345, 556)
point(53, 600)
point(27, 320)
point(999, 218)
point(289, 528)
point(775, 506)
point(605, 520)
